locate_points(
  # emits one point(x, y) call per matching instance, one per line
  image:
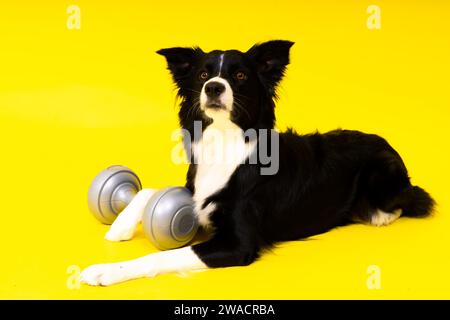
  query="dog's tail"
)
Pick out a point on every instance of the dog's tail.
point(416, 202)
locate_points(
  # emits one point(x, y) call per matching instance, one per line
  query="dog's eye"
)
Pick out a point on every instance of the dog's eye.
point(241, 76)
point(204, 75)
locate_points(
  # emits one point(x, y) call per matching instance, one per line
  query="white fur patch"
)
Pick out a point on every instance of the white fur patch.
point(381, 218)
point(220, 151)
point(177, 260)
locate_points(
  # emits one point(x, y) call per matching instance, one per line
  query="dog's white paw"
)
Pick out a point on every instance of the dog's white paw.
point(120, 232)
point(381, 218)
point(103, 274)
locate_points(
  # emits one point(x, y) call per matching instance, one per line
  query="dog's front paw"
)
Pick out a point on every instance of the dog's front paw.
point(103, 274)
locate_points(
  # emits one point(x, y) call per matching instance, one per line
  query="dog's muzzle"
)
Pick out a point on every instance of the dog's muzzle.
point(213, 91)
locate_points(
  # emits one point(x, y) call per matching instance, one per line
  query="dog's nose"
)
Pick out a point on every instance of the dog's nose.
point(214, 89)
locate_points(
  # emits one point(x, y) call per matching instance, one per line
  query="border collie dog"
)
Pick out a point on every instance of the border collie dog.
point(320, 181)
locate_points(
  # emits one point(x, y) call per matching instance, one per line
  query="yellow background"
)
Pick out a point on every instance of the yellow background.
point(73, 102)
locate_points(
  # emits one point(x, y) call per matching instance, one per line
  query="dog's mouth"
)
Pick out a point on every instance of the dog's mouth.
point(215, 105)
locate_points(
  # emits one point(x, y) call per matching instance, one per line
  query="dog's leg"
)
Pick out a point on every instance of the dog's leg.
point(177, 260)
point(214, 253)
point(125, 224)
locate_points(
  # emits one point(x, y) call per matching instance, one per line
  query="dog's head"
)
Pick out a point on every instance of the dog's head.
point(239, 85)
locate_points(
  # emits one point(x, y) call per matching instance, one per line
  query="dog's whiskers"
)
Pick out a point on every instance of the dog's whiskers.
point(239, 105)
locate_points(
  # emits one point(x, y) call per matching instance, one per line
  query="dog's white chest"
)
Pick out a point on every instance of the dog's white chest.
point(220, 151)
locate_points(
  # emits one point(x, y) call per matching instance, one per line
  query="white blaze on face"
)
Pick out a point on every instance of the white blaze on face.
point(221, 63)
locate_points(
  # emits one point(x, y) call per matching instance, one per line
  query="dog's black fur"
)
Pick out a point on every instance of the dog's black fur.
point(323, 181)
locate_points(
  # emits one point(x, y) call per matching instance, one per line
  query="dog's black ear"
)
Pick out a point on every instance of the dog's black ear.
point(180, 61)
point(271, 59)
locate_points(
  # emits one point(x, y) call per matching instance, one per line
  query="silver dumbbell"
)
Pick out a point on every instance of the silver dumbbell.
point(169, 220)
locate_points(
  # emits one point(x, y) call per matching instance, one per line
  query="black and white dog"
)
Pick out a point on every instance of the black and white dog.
point(321, 180)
